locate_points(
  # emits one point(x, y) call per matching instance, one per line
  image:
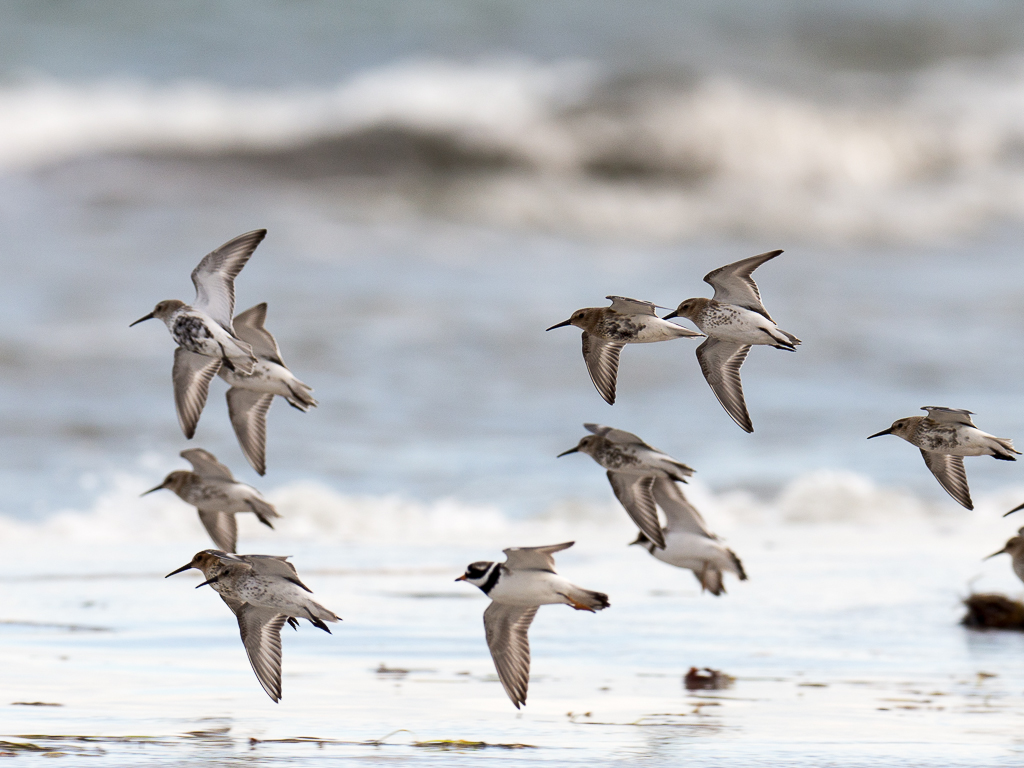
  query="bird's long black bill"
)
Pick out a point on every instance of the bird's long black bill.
point(879, 434)
point(1015, 509)
point(559, 325)
point(1000, 552)
point(150, 316)
point(214, 580)
point(158, 488)
point(566, 453)
point(670, 315)
point(180, 570)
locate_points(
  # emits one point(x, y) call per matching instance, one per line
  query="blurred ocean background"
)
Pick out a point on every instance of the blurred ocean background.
point(442, 180)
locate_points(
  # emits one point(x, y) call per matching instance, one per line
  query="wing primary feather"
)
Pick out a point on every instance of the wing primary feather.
point(222, 527)
point(247, 410)
point(635, 493)
point(602, 359)
point(214, 277)
point(720, 361)
point(261, 635)
point(506, 628)
point(191, 376)
point(205, 464)
point(949, 471)
point(733, 283)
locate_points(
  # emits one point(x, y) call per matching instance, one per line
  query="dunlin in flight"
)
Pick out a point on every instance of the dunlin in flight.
point(215, 493)
point(945, 436)
point(203, 331)
point(734, 320)
point(688, 542)
point(606, 330)
point(633, 467)
point(251, 394)
point(264, 592)
point(517, 588)
point(1015, 549)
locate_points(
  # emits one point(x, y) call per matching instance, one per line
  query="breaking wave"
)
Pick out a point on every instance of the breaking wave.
point(313, 512)
point(568, 148)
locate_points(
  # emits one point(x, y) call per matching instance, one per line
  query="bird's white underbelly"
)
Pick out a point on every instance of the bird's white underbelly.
point(530, 588)
point(689, 550)
point(970, 441)
point(738, 325)
point(656, 329)
point(222, 497)
point(266, 377)
point(276, 593)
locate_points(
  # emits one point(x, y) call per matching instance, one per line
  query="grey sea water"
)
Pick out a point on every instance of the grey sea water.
point(442, 181)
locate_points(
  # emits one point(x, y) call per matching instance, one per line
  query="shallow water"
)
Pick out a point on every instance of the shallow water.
point(844, 644)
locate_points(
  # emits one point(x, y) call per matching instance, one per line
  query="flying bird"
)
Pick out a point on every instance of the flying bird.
point(203, 331)
point(945, 436)
point(517, 588)
point(606, 330)
point(217, 496)
point(688, 541)
point(633, 467)
point(1015, 549)
point(264, 592)
point(252, 394)
point(734, 320)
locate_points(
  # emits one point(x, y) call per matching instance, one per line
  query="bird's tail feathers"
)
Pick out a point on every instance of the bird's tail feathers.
point(300, 397)
point(711, 580)
point(739, 566)
point(318, 615)
point(594, 601)
point(1002, 449)
point(792, 339)
point(264, 511)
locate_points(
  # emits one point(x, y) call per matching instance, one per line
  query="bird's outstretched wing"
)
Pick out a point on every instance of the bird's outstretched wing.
point(506, 628)
point(635, 493)
point(275, 565)
point(222, 529)
point(191, 376)
point(614, 435)
point(942, 415)
point(680, 514)
point(602, 359)
point(733, 283)
point(249, 328)
point(534, 558)
point(720, 362)
point(949, 471)
point(261, 635)
point(632, 306)
point(248, 412)
point(214, 278)
point(205, 464)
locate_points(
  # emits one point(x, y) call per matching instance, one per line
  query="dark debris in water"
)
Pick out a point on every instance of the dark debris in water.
point(438, 744)
point(990, 610)
point(383, 669)
point(707, 679)
point(455, 744)
point(13, 747)
point(35, 704)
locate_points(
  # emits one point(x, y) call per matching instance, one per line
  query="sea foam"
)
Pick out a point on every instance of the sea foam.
point(315, 512)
